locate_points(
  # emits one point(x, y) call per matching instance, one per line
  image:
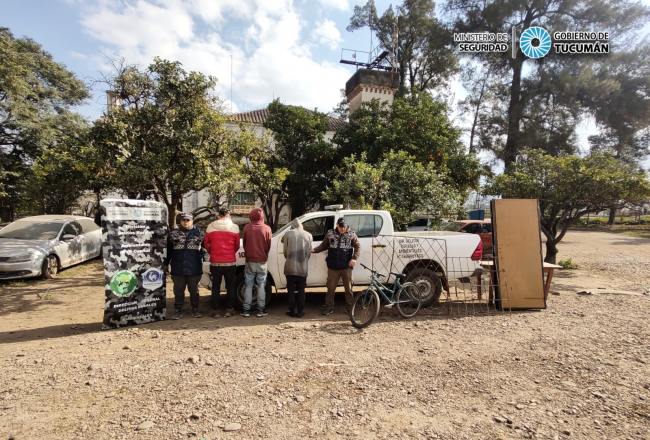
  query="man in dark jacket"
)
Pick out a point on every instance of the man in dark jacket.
point(185, 255)
point(257, 243)
point(343, 249)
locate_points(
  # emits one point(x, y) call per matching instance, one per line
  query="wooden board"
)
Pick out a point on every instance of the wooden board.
point(518, 253)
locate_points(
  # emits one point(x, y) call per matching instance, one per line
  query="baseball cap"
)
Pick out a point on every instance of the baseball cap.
point(341, 222)
point(186, 216)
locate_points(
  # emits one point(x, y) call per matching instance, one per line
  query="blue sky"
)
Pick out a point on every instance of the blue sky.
point(279, 48)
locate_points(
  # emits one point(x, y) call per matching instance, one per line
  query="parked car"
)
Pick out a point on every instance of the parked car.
point(409, 252)
point(44, 244)
point(482, 228)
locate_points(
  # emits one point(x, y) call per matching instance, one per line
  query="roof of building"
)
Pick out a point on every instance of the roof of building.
point(260, 116)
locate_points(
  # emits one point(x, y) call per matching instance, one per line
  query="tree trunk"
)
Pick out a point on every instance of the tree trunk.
point(514, 115)
point(612, 216)
point(172, 209)
point(551, 251)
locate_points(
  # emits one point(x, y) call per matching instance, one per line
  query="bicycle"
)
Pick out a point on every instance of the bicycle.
point(404, 296)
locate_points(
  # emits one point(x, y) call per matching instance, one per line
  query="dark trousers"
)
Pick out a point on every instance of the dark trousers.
point(296, 293)
point(229, 273)
point(192, 284)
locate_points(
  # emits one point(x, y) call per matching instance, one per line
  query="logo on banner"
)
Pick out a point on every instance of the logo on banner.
point(123, 283)
point(152, 279)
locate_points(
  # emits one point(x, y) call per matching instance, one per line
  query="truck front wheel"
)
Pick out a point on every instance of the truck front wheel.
point(429, 284)
point(240, 293)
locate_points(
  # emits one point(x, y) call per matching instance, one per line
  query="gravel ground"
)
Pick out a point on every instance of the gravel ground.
point(579, 369)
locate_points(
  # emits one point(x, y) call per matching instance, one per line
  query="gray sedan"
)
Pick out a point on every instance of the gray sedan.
point(44, 244)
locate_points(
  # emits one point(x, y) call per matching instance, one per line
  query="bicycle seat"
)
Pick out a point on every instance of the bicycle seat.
point(399, 276)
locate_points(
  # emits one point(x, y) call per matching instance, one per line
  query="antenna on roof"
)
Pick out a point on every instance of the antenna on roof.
point(231, 83)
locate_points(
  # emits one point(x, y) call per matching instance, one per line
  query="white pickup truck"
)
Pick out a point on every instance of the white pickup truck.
point(429, 257)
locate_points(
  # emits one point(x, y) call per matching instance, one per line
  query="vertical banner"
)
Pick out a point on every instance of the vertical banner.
point(134, 244)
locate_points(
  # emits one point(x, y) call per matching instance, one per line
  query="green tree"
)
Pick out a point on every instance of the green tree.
point(36, 94)
point(58, 176)
point(266, 177)
point(422, 46)
point(418, 126)
point(550, 96)
point(300, 147)
point(569, 187)
point(398, 183)
point(167, 136)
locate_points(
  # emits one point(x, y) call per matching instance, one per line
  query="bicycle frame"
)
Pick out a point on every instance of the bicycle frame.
point(385, 294)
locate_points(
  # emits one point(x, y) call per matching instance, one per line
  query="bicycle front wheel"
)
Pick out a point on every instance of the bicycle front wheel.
point(364, 309)
point(408, 300)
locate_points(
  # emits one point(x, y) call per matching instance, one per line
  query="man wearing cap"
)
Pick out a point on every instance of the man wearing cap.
point(185, 256)
point(222, 243)
point(342, 253)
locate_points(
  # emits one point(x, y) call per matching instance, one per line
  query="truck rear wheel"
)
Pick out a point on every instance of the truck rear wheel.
point(429, 283)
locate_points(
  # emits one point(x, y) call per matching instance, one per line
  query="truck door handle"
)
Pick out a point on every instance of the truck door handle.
point(378, 245)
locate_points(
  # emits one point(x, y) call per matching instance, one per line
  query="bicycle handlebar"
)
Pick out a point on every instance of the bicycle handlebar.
point(373, 271)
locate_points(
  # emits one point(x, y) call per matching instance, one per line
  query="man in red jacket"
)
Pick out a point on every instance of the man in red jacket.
point(257, 243)
point(222, 243)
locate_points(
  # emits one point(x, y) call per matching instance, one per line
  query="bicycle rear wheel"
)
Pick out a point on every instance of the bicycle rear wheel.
point(365, 309)
point(408, 300)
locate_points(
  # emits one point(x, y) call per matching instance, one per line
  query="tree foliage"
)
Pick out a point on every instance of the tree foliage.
point(543, 102)
point(301, 149)
point(36, 94)
point(167, 137)
point(398, 183)
point(418, 126)
point(422, 45)
point(569, 187)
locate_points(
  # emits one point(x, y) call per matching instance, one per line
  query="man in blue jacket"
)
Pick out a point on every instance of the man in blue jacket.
point(185, 255)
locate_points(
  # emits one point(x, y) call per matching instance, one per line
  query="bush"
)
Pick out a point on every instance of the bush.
point(567, 264)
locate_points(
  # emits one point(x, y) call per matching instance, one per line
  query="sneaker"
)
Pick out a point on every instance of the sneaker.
point(196, 314)
point(261, 314)
point(215, 314)
point(327, 311)
point(299, 315)
point(177, 315)
point(228, 313)
point(292, 314)
point(245, 314)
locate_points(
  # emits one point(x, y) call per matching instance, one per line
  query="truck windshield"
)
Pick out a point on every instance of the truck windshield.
point(287, 226)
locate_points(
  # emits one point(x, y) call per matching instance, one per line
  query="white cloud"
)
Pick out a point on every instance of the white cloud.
point(336, 4)
point(274, 61)
point(327, 33)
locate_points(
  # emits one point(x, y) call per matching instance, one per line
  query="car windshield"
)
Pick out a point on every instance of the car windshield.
point(450, 226)
point(285, 227)
point(28, 230)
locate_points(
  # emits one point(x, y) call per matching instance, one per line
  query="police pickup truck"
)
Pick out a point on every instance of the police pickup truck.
point(431, 258)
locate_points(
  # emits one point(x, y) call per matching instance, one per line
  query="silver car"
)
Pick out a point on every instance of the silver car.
point(44, 244)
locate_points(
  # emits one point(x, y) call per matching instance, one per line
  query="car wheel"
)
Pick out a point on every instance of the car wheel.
point(240, 293)
point(50, 267)
point(429, 283)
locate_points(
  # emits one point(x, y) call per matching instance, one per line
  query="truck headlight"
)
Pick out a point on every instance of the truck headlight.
point(22, 258)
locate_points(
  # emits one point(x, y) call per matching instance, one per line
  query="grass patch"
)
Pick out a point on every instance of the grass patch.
point(567, 264)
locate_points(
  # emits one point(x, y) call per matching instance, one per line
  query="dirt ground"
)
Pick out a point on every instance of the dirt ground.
point(579, 369)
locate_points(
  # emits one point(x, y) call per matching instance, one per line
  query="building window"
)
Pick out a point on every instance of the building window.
point(243, 198)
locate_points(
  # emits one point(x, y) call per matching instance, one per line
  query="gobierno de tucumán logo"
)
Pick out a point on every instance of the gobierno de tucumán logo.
point(535, 42)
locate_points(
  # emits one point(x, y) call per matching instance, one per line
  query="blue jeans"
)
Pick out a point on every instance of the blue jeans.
point(254, 273)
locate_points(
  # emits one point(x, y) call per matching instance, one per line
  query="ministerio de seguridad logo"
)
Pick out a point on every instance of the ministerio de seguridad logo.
point(535, 42)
